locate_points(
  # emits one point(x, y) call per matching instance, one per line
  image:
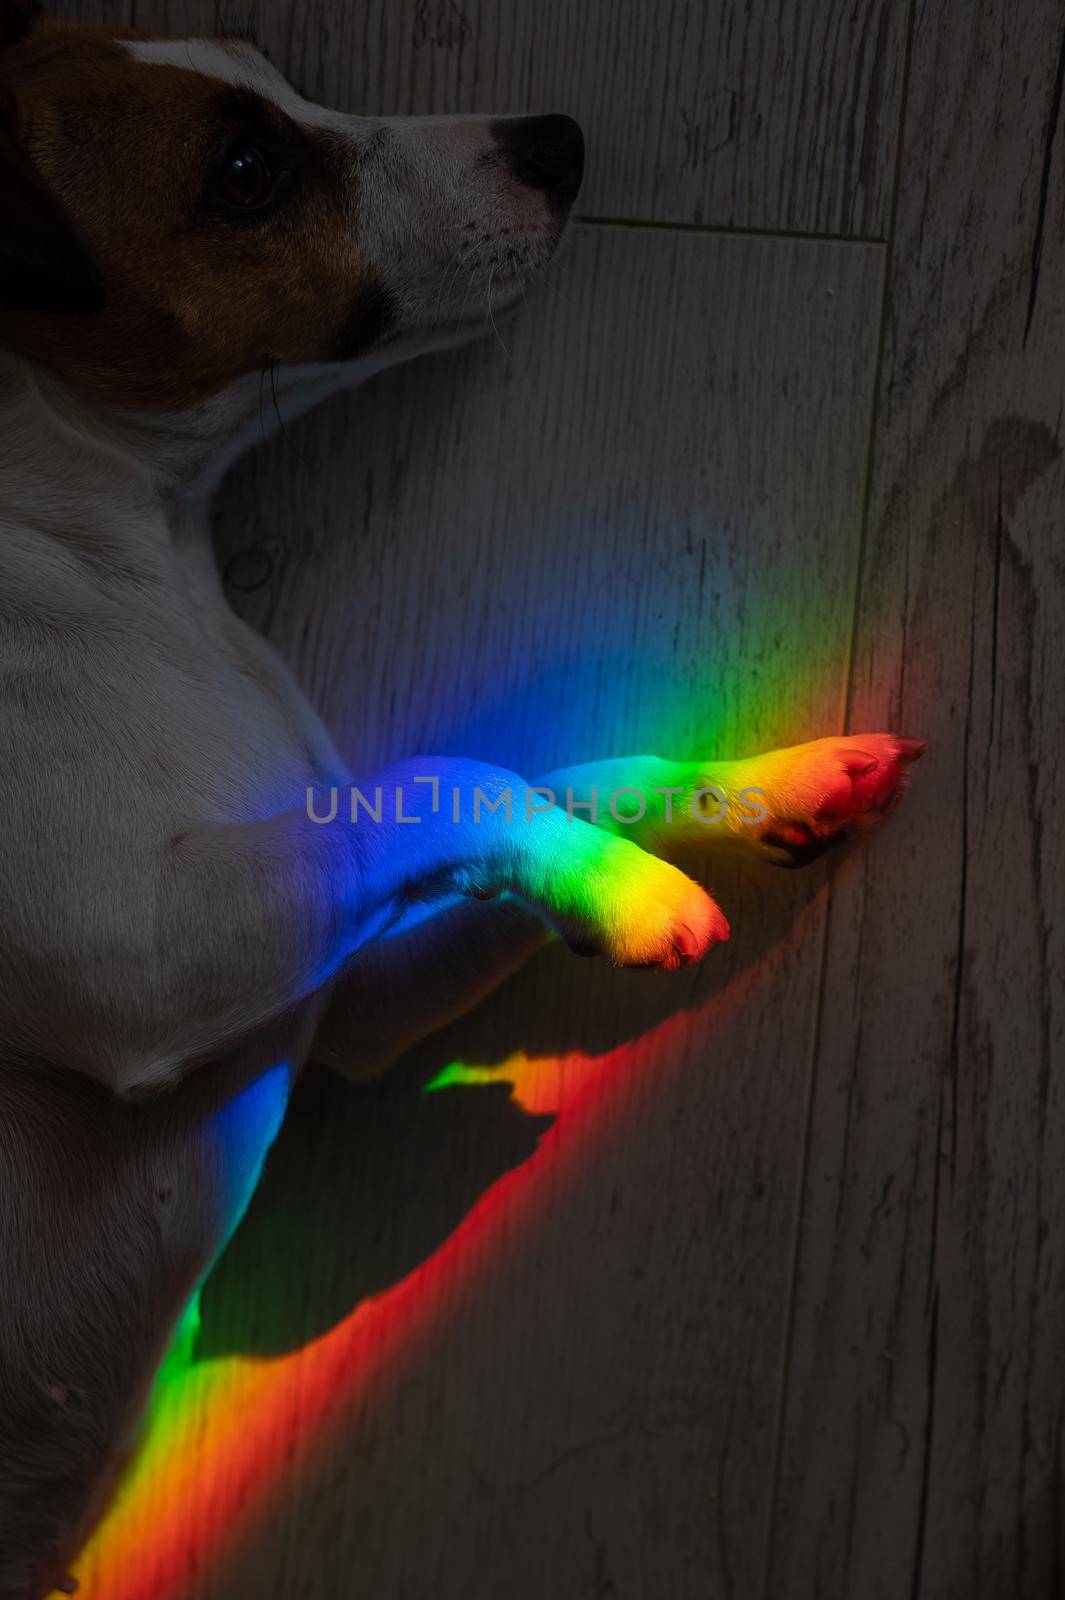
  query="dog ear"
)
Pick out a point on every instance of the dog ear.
point(16, 18)
point(45, 265)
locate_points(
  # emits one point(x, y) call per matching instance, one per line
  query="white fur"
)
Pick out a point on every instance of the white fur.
point(173, 920)
point(167, 904)
point(453, 239)
point(230, 61)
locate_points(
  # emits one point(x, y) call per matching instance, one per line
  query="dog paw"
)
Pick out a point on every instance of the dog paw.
point(639, 911)
point(818, 794)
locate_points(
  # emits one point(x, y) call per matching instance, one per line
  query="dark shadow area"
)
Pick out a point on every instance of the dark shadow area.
point(367, 1181)
point(412, 1165)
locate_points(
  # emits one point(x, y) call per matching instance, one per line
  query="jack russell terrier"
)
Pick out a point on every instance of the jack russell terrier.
point(180, 921)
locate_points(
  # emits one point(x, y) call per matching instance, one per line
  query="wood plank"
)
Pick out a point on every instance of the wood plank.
point(638, 530)
point(763, 116)
point(922, 1440)
point(681, 564)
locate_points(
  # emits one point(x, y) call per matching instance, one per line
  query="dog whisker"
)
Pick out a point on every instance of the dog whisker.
point(262, 416)
point(555, 272)
point(451, 273)
point(277, 411)
point(492, 320)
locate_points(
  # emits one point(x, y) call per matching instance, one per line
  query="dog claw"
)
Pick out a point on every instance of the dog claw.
point(686, 946)
point(910, 749)
point(834, 788)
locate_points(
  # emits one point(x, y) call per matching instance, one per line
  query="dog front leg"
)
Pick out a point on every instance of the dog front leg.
point(254, 918)
point(418, 979)
point(784, 806)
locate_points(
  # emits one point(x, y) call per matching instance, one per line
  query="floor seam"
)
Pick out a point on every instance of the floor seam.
point(727, 230)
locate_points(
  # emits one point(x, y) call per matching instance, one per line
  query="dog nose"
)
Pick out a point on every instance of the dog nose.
point(546, 152)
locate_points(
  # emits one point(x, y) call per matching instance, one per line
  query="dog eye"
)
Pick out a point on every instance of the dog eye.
point(245, 181)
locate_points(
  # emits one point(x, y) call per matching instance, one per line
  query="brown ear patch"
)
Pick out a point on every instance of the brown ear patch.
point(194, 298)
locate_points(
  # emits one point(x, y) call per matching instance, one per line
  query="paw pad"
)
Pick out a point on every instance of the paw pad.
point(832, 789)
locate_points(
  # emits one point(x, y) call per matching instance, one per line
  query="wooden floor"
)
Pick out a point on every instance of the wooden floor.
point(755, 1285)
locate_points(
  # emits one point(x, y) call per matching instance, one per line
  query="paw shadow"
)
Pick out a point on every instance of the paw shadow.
point(367, 1181)
point(408, 1167)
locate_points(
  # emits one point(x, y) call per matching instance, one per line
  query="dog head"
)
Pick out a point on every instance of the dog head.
point(174, 216)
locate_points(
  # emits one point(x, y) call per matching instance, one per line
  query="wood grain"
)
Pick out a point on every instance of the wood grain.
point(591, 527)
point(633, 530)
point(922, 1434)
point(608, 540)
point(768, 115)
point(785, 1317)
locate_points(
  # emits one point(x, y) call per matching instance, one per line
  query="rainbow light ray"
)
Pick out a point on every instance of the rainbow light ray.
point(200, 1486)
point(225, 1436)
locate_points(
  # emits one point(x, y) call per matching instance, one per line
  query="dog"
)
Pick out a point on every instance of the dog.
point(196, 897)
